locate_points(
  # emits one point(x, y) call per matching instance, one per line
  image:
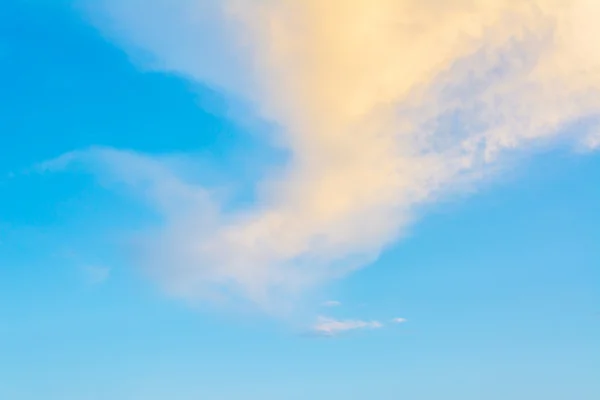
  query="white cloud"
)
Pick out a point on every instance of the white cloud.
point(384, 104)
point(332, 327)
point(399, 320)
point(332, 303)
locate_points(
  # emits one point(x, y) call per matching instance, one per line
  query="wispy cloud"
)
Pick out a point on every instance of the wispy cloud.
point(331, 303)
point(96, 274)
point(399, 320)
point(593, 141)
point(332, 327)
point(384, 104)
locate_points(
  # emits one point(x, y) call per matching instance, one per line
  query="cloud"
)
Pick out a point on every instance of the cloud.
point(385, 105)
point(593, 141)
point(332, 303)
point(399, 320)
point(331, 327)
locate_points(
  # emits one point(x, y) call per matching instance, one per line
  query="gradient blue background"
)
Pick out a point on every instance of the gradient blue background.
point(501, 288)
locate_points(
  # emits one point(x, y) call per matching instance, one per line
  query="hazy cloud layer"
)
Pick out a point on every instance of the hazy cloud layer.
point(384, 104)
point(95, 274)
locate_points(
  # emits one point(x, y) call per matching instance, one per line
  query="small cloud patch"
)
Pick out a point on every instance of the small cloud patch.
point(326, 326)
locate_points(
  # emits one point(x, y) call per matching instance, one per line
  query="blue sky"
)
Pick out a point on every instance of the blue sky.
point(106, 162)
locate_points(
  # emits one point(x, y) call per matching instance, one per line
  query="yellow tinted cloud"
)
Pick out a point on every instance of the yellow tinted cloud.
point(386, 104)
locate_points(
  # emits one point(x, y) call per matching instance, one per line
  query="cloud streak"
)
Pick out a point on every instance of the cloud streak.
point(326, 326)
point(385, 105)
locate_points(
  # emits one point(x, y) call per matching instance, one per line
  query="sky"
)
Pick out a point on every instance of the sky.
point(274, 199)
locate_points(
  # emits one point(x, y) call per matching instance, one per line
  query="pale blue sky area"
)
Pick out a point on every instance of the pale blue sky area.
point(500, 288)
